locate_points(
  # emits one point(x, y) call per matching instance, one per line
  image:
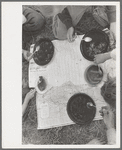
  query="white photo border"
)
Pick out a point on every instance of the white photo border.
point(12, 74)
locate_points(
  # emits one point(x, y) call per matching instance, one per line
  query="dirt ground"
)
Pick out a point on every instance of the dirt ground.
point(72, 134)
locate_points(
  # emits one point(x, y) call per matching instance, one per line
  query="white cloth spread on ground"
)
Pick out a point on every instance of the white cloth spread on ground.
point(65, 77)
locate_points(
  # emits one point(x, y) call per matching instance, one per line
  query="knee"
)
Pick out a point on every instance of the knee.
point(59, 29)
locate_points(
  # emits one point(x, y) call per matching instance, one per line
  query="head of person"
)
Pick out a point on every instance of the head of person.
point(51, 10)
point(108, 91)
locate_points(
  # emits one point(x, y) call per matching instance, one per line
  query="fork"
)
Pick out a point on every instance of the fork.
point(31, 56)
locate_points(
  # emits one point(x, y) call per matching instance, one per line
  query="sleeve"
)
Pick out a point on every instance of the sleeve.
point(111, 136)
point(35, 20)
point(23, 19)
point(113, 54)
point(111, 12)
point(31, 15)
point(66, 18)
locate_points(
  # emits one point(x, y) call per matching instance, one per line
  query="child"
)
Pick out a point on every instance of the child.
point(108, 91)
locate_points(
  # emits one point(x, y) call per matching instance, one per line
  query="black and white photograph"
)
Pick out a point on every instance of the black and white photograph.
point(62, 76)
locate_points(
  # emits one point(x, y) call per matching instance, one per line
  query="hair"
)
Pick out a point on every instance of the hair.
point(108, 91)
point(51, 10)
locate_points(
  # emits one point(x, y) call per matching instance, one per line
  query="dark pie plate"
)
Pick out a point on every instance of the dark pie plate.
point(44, 55)
point(78, 111)
point(99, 44)
point(92, 75)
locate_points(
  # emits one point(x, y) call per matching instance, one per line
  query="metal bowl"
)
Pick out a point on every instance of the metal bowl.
point(99, 44)
point(45, 54)
point(78, 111)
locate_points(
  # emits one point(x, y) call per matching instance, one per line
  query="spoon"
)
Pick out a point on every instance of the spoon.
point(87, 39)
point(89, 104)
point(31, 56)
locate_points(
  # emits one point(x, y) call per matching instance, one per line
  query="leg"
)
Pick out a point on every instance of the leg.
point(59, 29)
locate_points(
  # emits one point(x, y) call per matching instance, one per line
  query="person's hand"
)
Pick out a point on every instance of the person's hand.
point(26, 54)
point(30, 95)
point(108, 116)
point(113, 28)
point(70, 34)
point(101, 58)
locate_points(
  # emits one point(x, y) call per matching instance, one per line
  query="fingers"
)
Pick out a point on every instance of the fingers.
point(104, 107)
point(30, 57)
point(104, 110)
point(32, 92)
point(70, 34)
point(27, 55)
point(70, 39)
point(101, 113)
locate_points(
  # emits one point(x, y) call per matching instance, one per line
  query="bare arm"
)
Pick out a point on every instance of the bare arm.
point(24, 106)
point(111, 136)
point(67, 20)
point(28, 97)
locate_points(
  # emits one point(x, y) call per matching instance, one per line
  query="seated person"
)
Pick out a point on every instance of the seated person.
point(101, 58)
point(33, 22)
point(68, 22)
point(108, 118)
point(108, 91)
